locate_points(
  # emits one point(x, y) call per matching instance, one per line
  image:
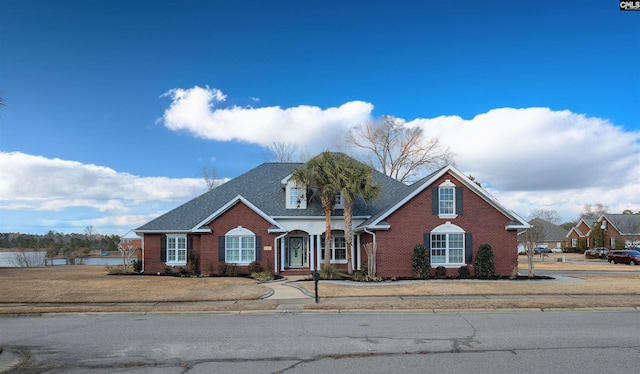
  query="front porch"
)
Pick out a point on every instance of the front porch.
point(299, 253)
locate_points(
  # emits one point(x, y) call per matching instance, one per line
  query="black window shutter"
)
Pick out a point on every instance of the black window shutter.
point(258, 248)
point(426, 239)
point(163, 249)
point(435, 207)
point(189, 246)
point(468, 249)
point(221, 248)
point(458, 200)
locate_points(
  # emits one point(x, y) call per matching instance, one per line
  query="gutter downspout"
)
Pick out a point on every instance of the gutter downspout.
point(275, 245)
point(142, 266)
point(372, 234)
point(374, 239)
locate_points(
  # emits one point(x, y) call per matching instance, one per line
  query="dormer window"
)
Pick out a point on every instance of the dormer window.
point(296, 196)
point(338, 202)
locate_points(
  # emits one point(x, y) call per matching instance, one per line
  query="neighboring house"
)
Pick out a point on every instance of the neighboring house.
point(134, 240)
point(551, 235)
point(620, 230)
point(263, 216)
point(580, 233)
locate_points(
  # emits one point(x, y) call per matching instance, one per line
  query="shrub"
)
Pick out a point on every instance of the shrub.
point(463, 272)
point(114, 270)
point(222, 269)
point(420, 261)
point(262, 275)
point(485, 267)
point(330, 272)
point(193, 262)
point(207, 268)
point(137, 266)
point(362, 276)
point(255, 267)
point(441, 272)
point(232, 270)
point(168, 270)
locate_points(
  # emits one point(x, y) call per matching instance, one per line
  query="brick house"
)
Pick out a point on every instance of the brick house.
point(263, 216)
point(134, 240)
point(580, 234)
point(613, 231)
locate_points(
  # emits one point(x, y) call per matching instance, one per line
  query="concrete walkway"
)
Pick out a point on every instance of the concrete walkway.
point(290, 297)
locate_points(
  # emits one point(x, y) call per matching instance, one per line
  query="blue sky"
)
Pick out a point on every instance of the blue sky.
point(112, 107)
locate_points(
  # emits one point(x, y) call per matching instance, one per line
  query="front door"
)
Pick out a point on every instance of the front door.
point(296, 249)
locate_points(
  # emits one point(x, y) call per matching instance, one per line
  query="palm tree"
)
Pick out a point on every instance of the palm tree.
point(319, 174)
point(355, 180)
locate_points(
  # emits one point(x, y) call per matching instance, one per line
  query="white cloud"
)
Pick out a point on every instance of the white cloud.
point(37, 183)
point(539, 158)
point(195, 110)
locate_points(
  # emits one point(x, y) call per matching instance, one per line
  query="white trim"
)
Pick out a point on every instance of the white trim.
point(177, 249)
point(230, 204)
point(482, 193)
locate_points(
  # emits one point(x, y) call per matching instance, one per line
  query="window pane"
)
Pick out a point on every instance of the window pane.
point(171, 255)
point(182, 255)
point(232, 255)
point(339, 248)
point(446, 200)
point(171, 242)
point(182, 242)
point(247, 255)
point(456, 241)
point(233, 242)
point(294, 196)
point(247, 242)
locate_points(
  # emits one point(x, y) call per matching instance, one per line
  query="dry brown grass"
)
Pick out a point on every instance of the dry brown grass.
point(91, 284)
point(585, 285)
point(89, 289)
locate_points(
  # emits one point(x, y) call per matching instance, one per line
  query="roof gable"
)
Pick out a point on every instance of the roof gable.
point(377, 222)
point(261, 188)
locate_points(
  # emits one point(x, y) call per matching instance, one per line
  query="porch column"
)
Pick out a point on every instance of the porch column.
point(282, 253)
point(312, 256)
point(319, 258)
point(359, 252)
point(352, 252)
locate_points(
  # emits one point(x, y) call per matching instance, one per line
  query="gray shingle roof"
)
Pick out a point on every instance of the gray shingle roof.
point(262, 187)
point(550, 232)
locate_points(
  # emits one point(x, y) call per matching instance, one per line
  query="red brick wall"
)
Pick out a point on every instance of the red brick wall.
point(205, 245)
point(410, 222)
point(238, 215)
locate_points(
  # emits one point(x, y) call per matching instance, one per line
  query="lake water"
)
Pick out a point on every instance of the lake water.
point(8, 260)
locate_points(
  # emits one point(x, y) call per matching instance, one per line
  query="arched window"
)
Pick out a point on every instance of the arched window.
point(240, 246)
point(447, 243)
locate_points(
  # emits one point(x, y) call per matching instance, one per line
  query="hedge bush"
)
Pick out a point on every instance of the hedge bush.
point(485, 266)
point(421, 261)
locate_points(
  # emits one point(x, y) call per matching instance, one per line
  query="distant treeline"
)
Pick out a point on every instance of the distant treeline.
point(56, 242)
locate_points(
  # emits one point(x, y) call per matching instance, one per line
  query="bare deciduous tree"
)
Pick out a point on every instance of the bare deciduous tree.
point(593, 211)
point(281, 151)
point(90, 232)
point(548, 215)
point(528, 238)
point(397, 150)
point(209, 173)
point(127, 252)
point(27, 258)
